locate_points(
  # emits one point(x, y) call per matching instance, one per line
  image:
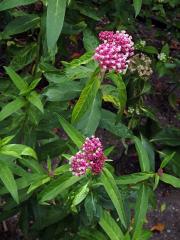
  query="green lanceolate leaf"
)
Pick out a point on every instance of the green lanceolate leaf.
point(156, 181)
point(108, 150)
point(6, 140)
point(86, 234)
point(89, 122)
point(24, 56)
point(8, 4)
point(174, 181)
point(150, 49)
point(7, 178)
point(165, 49)
point(38, 183)
point(112, 190)
point(167, 159)
point(11, 108)
point(80, 195)
point(17, 80)
point(168, 136)
point(72, 132)
point(33, 165)
point(121, 90)
point(133, 178)
point(57, 187)
point(110, 94)
point(18, 150)
point(84, 59)
point(62, 169)
point(108, 121)
point(150, 152)
point(86, 98)
point(110, 226)
point(90, 41)
point(65, 91)
point(137, 6)
point(19, 25)
point(140, 212)
point(55, 19)
point(142, 155)
point(92, 206)
point(34, 98)
point(23, 182)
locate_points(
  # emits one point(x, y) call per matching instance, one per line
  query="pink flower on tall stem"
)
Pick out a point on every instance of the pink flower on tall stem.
point(90, 156)
point(114, 51)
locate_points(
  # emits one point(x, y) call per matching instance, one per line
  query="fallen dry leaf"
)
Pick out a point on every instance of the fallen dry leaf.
point(159, 227)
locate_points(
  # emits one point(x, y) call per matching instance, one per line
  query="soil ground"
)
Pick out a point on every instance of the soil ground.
point(169, 217)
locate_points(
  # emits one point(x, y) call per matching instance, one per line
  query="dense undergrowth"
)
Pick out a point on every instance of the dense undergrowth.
point(61, 83)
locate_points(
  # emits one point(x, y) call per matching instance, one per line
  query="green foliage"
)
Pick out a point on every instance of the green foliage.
point(143, 155)
point(54, 23)
point(110, 226)
point(137, 6)
point(114, 194)
point(141, 209)
point(8, 4)
point(9, 181)
point(86, 98)
point(19, 25)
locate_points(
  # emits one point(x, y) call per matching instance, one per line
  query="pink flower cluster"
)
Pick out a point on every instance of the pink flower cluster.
point(90, 156)
point(114, 52)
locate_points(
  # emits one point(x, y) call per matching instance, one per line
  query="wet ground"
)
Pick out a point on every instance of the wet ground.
point(165, 220)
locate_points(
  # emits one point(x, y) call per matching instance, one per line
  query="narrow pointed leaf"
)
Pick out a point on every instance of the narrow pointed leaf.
point(137, 6)
point(169, 179)
point(121, 90)
point(133, 178)
point(57, 187)
point(140, 211)
point(6, 140)
point(19, 25)
point(7, 178)
point(17, 80)
point(167, 159)
point(8, 4)
point(89, 122)
point(55, 19)
point(38, 183)
point(72, 132)
point(112, 190)
point(11, 108)
point(34, 98)
point(18, 150)
point(142, 155)
point(86, 234)
point(80, 195)
point(86, 98)
point(110, 226)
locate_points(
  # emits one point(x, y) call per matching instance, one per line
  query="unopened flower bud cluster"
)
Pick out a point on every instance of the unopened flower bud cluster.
point(90, 156)
point(142, 64)
point(162, 57)
point(132, 110)
point(114, 51)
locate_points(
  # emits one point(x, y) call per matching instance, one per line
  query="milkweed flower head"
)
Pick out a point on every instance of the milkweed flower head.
point(90, 156)
point(114, 51)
